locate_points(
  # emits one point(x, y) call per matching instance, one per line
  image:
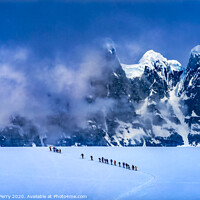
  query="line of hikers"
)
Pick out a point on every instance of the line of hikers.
point(113, 162)
point(54, 149)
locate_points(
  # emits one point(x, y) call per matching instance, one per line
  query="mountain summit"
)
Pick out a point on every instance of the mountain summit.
point(152, 103)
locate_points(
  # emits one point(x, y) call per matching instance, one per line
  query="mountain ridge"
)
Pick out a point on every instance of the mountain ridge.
point(152, 103)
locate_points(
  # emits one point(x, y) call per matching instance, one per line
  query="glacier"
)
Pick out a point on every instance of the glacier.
point(163, 173)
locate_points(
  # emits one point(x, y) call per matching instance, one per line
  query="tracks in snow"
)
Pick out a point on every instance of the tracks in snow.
point(138, 188)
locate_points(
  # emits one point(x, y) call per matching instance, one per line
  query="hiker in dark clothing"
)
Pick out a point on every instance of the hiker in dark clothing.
point(99, 159)
point(115, 162)
point(82, 155)
point(107, 161)
point(111, 161)
point(54, 149)
point(91, 157)
point(126, 166)
point(123, 165)
point(119, 164)
point(102, 159)
point(50, 148)
point(132, 167)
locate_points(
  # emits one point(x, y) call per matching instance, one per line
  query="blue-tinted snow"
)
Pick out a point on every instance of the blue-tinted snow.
point(196, 50)
point(164, 173)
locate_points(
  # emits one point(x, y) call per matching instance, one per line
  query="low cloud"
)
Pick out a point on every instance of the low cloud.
point(38, 90)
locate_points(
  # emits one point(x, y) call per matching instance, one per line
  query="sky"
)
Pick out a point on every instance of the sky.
point(50, 51)
point(69, 28)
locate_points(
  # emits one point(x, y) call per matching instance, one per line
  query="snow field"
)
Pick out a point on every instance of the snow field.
point(164, 173)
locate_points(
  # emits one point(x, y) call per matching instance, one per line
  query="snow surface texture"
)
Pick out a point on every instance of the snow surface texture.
point(133, 71)
point(164, 173)
point(175, 65)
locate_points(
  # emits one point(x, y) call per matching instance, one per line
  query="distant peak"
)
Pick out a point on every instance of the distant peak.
point(195, 50)
point(152, 60)
point(110, 47)
point(152, 56)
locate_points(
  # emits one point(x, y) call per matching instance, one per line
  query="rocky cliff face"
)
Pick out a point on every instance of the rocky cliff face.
point(152, 103)
point(190, 95)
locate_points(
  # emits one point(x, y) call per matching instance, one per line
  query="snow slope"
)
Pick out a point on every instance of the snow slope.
point(164, 173)
point(133, 71)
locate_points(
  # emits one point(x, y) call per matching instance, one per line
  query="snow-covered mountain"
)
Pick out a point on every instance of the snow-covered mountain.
point(152, 103)
point(190, 94)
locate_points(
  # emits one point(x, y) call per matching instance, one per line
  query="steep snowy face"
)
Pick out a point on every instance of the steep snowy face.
point(147, 114)
point(191, 83)
point(163, 74)
point(190, 95)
